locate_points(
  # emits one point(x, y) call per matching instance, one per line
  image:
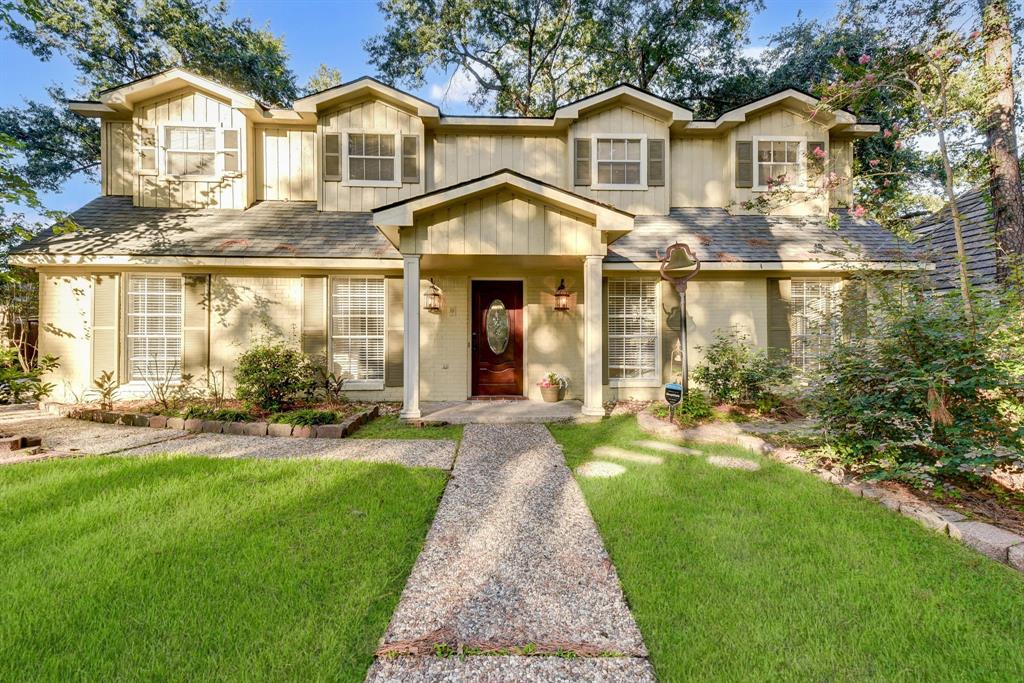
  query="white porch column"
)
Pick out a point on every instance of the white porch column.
point(593, 403)
point(411, 332)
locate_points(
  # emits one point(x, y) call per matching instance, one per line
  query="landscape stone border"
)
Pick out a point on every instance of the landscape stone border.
point(990, 540)
point(337, 430)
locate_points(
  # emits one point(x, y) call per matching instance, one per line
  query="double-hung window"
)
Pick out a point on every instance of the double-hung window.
point(632, 320)
point(620, 162)
point(780, 161)
point(199, 151)
point(357, 330)
point(815, 319)
point(153, 324)
point(371, 159)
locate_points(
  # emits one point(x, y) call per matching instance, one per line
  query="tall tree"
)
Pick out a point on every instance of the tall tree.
point(1004, 166)
point(110, 43)
point(323, 78)
point(529, 56)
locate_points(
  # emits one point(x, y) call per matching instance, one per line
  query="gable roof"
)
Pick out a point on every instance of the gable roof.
point(360, 87)
point(122, 98)
point(936, 239)
point(838, 120)
point(716, 236)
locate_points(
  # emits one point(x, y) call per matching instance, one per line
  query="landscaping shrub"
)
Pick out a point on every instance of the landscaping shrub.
point(307, 417)
point(201, 412)
point(17, 385)
point(272, 375)
point(922, 392)
point(734, 372)
point(693, 407)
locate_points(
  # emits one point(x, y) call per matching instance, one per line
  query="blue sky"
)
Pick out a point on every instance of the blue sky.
point(315, 31)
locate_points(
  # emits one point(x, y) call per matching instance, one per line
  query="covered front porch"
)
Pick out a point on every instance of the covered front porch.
point(483, 263)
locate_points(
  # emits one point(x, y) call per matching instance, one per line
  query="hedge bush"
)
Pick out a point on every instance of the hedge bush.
point(733, 371)
point(271, 376)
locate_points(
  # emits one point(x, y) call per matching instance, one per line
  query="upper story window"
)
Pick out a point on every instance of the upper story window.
point(189, 150)
point(620, 162)
point(372, 159)
point(780, 161)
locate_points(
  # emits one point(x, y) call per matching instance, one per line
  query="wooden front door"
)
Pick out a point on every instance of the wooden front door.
point(497, 338)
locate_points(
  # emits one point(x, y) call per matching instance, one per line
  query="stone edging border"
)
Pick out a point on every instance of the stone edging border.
point(994, 542)
point(332, 431)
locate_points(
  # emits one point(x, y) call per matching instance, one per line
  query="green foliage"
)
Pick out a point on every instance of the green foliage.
point(106, 387)
point(271, 375)
point(332, 385)
point(694, 406)
point(167, 389)
point(734, 372)
point(324, 78)
point(18, 384)
point(306, 417)
point(924, 393)
point(203, 412)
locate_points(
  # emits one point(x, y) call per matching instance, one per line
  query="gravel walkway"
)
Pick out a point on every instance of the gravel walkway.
point(513, 559)
point(64, 436)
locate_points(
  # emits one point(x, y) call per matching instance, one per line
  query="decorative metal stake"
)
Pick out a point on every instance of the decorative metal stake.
point(679, 257)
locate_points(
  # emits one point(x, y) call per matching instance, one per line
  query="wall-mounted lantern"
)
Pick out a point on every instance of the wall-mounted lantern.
point(561, 297)
point(432, 298)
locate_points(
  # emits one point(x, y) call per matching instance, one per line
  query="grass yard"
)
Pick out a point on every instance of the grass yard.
point(182, 568)
point(390, 427)
point(775, 575)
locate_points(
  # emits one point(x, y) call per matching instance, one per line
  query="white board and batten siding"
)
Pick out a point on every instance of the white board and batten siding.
point(700, 173)
point(503, 223)
point(458, 158)
point(372, 116)
point(627, 121)
point(117, 160)
point(192, 106)
point(285, 166)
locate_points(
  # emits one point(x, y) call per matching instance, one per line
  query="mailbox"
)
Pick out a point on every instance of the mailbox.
point(673, 393)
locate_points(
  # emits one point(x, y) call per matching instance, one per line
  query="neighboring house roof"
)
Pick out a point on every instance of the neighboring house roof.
point(112, 226)
point(936, 239)
point(715, 235)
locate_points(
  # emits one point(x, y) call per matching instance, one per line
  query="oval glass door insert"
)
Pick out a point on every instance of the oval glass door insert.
point(496, 323)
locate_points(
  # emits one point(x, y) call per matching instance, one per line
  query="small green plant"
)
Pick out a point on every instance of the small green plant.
point(694, 406)
point(202, 412)
point(272, 375)
point(306, 417)
point(106, 387)
point(18, 384)
point(734, 372)
point(333, 385)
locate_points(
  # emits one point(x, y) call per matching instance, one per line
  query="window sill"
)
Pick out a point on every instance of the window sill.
point(373, 183)
point(628, 188)
point(634, 383)
point(363, 385)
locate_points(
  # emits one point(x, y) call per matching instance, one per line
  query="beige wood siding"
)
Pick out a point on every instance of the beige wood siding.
point(375, 116)
point(700, 175)
point(192, 106)
point(285, 164)
point(777, 122)
point(457, 158)
point(117, 157)
point(502, 223)
point(624, 120)
point(841, 155)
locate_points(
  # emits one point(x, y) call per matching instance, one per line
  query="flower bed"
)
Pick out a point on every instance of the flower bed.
point(336, 430)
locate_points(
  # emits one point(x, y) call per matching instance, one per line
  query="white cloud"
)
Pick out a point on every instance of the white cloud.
point(754, 51)
point(456, 90)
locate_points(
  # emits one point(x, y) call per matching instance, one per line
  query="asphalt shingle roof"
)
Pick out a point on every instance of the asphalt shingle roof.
point(716, 235)
point(111, 225)
point(936, 239)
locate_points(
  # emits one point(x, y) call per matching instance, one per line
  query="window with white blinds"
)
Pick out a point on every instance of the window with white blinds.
point(815, 322)
point(632, 319)
point(153, 327)
point(357, 328)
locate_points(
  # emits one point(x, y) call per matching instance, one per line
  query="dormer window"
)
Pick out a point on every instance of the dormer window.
point(620, 162)
point(195, 151)
point(780, 161)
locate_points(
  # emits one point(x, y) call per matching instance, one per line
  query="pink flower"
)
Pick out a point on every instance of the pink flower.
point(858, 211)
point(974, 35)
point(819, 152)
point(864, 59)
point(874, 163)
point(936, 53)
point(897, 144)
point(886, 133)
point(887, 182)
point(870, 78)
point(841, 53)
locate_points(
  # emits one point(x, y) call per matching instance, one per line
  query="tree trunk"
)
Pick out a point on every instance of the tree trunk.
point(1004, 168)
point(958, 232)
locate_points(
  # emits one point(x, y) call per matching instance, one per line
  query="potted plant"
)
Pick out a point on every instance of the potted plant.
point(552, 387)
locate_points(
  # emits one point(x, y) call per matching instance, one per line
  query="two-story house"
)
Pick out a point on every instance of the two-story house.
point(430, 257)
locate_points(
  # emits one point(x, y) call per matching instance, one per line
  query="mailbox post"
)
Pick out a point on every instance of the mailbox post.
point(679, 265)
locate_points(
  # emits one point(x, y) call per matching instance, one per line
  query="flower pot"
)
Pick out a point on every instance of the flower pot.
point(552, 394)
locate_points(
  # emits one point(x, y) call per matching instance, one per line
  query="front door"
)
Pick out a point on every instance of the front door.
point(497, 338)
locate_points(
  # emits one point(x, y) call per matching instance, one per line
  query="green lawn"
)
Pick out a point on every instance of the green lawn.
point(182, 568)
point(775, 575)
point(390, 427)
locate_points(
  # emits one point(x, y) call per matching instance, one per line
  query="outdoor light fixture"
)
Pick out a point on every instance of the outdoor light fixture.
point(561, 297)
point(432, 298)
